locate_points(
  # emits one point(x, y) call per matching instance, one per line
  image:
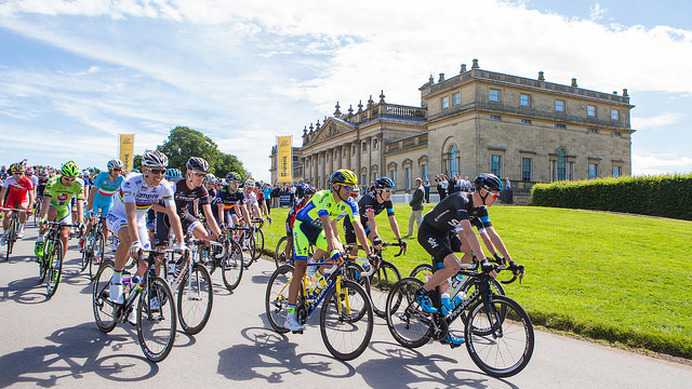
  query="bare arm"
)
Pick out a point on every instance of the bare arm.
point(92, 195)
point(360, 235)
point(395, 226)
point(216, 231)
point(498, 243)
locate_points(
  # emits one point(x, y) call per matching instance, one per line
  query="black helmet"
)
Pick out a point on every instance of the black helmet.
point(310, 191)
point(384, 182)
point(196, 163)
point(489, 182)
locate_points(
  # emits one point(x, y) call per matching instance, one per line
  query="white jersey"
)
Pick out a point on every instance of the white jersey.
point(250, 199)
point(135, 190)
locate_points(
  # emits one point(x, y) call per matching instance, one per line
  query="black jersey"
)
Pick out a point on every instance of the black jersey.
point(228, 198)
point(184, 196)
point(448, 213)
point(368, 203)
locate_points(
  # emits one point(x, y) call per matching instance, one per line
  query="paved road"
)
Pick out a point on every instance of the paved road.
point(56, 343)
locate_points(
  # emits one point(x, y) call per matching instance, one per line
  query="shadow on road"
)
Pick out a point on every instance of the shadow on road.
point(271, 356)
point(73, 353)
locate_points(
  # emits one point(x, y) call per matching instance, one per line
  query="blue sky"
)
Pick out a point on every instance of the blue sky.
point(75, 73)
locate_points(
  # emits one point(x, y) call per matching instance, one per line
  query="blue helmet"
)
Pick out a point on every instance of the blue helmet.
point(173, 173)
point(489, 182)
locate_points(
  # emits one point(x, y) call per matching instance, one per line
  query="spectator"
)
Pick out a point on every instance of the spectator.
point(507, 197)
point(427, 191)
point(416, 204)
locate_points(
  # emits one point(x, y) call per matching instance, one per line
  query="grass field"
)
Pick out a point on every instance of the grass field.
point(622, 278)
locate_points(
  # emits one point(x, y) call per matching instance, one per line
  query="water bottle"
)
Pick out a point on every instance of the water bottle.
point(365, 264)
point(311, 269)
point(457, 300)
point(446, 304)
point(38, 248)
point(171, 271)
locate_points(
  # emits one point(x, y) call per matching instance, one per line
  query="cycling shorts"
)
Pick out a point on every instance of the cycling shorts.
point(163, 227)
point(305, 234)
point(116, 223)
point(64, 213)
point(350, 231)
point(103, 205)
point(16, 202)
point(438, 244)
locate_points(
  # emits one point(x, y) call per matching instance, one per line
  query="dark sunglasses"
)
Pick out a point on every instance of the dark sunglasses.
point(347, 187)
point(199, 174)
point(388, 190)
point(117, 170)
point(157, 171)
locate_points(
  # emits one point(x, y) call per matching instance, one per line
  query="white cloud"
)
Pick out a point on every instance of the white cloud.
point(655, 122)
point(596, 12)
point(648, 163)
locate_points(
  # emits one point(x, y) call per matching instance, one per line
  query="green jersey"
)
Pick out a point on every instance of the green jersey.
point(61, 194)
point(323, 203)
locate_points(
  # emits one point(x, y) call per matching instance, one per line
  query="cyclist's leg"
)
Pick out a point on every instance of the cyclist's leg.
point(350, 235)
point(64, 216)
point(289, 240)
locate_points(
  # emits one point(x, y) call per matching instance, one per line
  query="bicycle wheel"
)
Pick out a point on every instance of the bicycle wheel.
point(195, 298)
point(381, 282)
point(54, 272)
point(346, 321)
point(42, 264)
point(97, 256)
point(87, 251)
point(470, 285)
point(249, 249)
point(407, 322)
point(507, 344)
point(280, 258)
point(259, 244)
point(232, 266)
point(104, 309)
point(422, 272)
point(276, 298)
point(355, 273)
point(11, 237)
point(156, 320)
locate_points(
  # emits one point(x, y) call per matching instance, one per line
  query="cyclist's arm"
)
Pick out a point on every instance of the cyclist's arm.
point(498, 243)
point(2, 196)
point(360, 235)
point(80, 210)
point(220, 210)
point(372, 223)
point(395, 226)
point(331, 234)
point(32, 198)
point(487, 241)
point(45, 204)
point(215, 230)
point(175, 222)
point(469, 237)
point(158, 208)
point(256, 210)
point(246, 214)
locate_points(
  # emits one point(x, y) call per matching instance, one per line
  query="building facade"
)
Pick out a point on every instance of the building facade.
point(527, 130)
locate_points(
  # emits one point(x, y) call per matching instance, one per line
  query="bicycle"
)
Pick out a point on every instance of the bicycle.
point(280, 253)
point(155, 313)
point(94, 246)
point(498, 332)
point(246, 238)
point(37, 210)
point(228, 257)
point(258, 223)
point(11, 235)
point(191, 282)
point(346, 309)
point(51, 256)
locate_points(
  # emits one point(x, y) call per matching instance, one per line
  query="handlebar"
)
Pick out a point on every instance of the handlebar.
point(517, 270)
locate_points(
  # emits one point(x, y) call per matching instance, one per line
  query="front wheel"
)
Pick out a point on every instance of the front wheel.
point(407, 322)
point(98, 251)
point(195, 299)
point(156, 320)
point(104, 309)
point(248, 245)
point(280, 257)
point(54, 272)
point(346, 320)
point(11, 237)
point(381, 283)
point(505, 344)
point(259, 244)
point(232, 266)
point(276, 298)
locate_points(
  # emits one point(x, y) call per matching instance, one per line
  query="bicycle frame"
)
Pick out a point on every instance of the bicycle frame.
point(334, 281)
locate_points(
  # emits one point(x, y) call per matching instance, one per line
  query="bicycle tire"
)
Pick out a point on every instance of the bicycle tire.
point(156, 328)
point(422, 272)
point(511, 332)
point(280, 258)
point(232, 266)
point(410, 326)
point(103, 308)
point(54, 272)
point(42, 264)
point(354, 272)
point(98, 254)
point(276, 298)
point(11, 237)
point(470, 284)
point(250, 248)
point(381, 282)
point(337, 328)
point(195, 300)
point(258, 236)
point(87, 251)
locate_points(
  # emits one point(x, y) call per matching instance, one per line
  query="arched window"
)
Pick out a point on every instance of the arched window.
point(453, 160)
point(561, 170)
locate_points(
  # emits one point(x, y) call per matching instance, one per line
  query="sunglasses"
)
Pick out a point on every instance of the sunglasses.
point(70, 178)
point(347, 187)
point(157, 171)
point(18, 173)
point(493, 194)
point(388, 190)
point(199, 174)
point(117, 170)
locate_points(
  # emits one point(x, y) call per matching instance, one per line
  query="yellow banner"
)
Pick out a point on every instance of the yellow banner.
point(285, 157)
point(127, 144)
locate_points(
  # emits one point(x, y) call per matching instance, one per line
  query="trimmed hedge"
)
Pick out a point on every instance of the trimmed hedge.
point(666, 196)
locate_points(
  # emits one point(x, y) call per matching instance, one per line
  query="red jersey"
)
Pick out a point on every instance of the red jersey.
point(18, 190)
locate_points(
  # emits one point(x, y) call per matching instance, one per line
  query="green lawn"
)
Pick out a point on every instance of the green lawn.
point(623, 278)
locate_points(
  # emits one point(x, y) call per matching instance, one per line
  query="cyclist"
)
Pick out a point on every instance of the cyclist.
point(57, 205)
point(443, 230)
point(251, 201)
point(228, 201)
point(186, 191)
point(101, 194)
point(42, 181)
point(316, 224)
point(138, 192)
point(291, 218)
point(210, 185)
point(369, 206)
point(21, 196)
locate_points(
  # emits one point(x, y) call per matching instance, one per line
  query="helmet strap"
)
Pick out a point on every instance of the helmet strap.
point(338, 191)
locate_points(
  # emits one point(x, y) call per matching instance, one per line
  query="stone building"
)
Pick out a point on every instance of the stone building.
point(527, 130)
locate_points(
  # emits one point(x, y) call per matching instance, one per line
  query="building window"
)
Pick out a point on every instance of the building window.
point(526, 169)
point(408, 178)
point(560, 126)
point(591, 111)
point(524, 100)
point(453, 160)
point(593, 171)
point(445, 102)
point(614, 115)
point(365, 146)
point(374, 144)
point(456, 98)
point(425, 171)
point(616, 133)
point(593, 131)
point(525, 121)
point(561, 166)
point(392, 174)
point(617, 171)
point(496, 165)
point(559, 106)
point(495, 117)
point(495, 95)
point(374, 176)
point(364, 179)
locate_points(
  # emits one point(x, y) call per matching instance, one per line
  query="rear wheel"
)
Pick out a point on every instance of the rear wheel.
point(422, 272)
point(11, 237)
point(98, 253)
point(280, 257)
point(232, 266)
point(276, 298)
point(248, 248)
point(195, 299)
point(104, 309)
point(505, 345)
point(381, 282)
point(259, 243)
point(54, 272)
point(156, 322)
point(407, 322)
